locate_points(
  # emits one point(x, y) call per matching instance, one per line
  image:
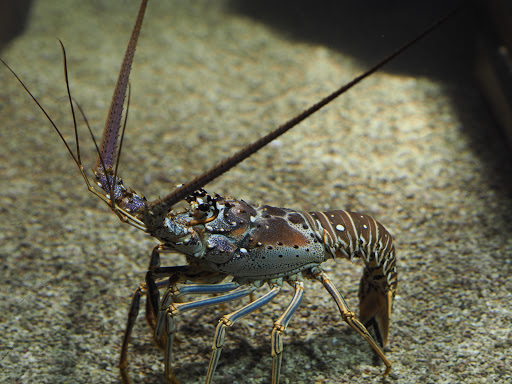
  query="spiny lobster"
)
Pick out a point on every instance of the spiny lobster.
point(223, 238)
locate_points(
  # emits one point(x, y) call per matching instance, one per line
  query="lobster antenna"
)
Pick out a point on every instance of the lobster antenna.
point(79, 163)
point(112, 125)
point(164, 205)
point(70, 101)
point(75, 159)
point(124, 130)
point(110, 184)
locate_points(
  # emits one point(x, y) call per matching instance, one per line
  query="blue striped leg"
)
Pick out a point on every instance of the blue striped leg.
point(228, 321)
point(279, 328)
point(349, 316)
point(168, 312)
point(174, 292)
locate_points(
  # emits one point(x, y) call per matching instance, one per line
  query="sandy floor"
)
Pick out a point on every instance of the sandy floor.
point(413, 146)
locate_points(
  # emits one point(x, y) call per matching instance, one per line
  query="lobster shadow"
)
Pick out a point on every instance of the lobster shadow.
point(244, 362)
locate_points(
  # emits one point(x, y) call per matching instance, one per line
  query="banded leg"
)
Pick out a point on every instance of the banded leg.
point(174, 292)
point(349, 316)
point(147, 290)
point(279, 327)
point(151, 288)
point(172, 311)
point(173, 274)
point(228, 321)
point(153, 295)
point(132, 317)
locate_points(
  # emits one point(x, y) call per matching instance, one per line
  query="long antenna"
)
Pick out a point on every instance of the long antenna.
point(108, 146)
point(162, 206)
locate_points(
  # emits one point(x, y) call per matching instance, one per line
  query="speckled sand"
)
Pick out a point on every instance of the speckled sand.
point(413, 146)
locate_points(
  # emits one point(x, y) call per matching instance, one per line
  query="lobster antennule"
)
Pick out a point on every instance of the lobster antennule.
point(76, 158)
point(108, 146)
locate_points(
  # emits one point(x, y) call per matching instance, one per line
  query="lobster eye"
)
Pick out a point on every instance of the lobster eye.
point(204, 207)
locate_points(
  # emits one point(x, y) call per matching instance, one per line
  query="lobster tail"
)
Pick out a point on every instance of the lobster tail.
point(376, 292)
point(355, 235)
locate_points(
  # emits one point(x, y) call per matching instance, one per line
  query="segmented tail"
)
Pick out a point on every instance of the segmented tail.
point(355, 235)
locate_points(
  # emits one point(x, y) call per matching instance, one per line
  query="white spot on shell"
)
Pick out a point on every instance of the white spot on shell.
point(253, 219)
point(340, 227)
point(365, 226)
point(243, 250)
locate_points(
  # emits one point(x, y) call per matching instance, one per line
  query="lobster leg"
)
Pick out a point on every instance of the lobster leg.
point(132, 318)
point(153, 295)
point(228, 321)
point(151, 289)
point(349, 316)
point(279, 327)
point(174, 309)
point(147, 289)
point(173, 293)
